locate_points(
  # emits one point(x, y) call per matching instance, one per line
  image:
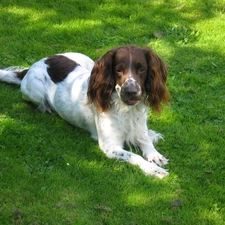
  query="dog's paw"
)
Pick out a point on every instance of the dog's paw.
point(154, 170)
point(155, 157)
point(160, 173)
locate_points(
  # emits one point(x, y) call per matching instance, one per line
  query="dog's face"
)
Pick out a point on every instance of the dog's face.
point(130, 68)
point(136, 74)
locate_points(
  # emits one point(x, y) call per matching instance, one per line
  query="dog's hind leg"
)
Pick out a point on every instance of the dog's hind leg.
point(34, 87)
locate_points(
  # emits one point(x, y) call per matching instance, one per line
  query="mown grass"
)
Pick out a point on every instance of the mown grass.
point(53, 173)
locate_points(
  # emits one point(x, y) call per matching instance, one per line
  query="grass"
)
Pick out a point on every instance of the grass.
point(53, 173)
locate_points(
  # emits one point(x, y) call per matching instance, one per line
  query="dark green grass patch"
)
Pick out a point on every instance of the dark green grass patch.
point(53, 173)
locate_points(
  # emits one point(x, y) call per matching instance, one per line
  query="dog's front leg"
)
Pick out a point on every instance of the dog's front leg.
point(111, 139)
point(149, 152)
point(149, 168)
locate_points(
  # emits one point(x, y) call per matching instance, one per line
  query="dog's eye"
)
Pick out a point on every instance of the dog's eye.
point(119, 70)
point(142, 69)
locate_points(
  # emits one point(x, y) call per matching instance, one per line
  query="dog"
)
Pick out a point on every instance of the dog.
point(110, 98)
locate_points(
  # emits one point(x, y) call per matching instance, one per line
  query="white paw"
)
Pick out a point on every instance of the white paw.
point(154, 157)
point(154, 170)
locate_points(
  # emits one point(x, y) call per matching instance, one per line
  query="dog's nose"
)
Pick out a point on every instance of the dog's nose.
point(131, 90)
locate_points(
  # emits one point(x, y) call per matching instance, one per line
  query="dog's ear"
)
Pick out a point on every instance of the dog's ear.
point(155, 84)
point(102, 82)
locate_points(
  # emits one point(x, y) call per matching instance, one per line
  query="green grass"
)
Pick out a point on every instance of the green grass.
point(53, 173)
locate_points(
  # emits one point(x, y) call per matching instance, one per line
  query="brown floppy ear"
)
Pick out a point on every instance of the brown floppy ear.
point(155, 84)
point(102, 82)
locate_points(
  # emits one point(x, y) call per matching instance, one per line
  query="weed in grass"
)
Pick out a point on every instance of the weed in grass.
point(182, 34)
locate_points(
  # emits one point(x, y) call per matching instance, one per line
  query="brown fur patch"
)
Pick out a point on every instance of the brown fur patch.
point(59, 67)
point(21, 74)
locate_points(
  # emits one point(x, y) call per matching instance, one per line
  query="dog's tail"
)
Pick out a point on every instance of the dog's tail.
point(13, 75)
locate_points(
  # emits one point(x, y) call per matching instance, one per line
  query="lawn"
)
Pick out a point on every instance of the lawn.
point(54, 174)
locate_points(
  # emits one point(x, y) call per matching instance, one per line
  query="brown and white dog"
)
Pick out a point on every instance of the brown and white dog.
point(110, 98)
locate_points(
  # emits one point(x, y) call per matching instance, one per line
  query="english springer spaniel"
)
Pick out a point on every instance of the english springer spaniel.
point(110, 98)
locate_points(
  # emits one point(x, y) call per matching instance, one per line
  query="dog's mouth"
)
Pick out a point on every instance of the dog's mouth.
point(131, 101)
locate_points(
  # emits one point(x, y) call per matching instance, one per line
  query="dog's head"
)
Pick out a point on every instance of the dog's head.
point(134, 73)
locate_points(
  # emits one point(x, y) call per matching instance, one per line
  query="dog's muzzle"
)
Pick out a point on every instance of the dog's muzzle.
point(130, 92)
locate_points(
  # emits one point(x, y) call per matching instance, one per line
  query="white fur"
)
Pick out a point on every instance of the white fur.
point(8, 76)
point(68, 98)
